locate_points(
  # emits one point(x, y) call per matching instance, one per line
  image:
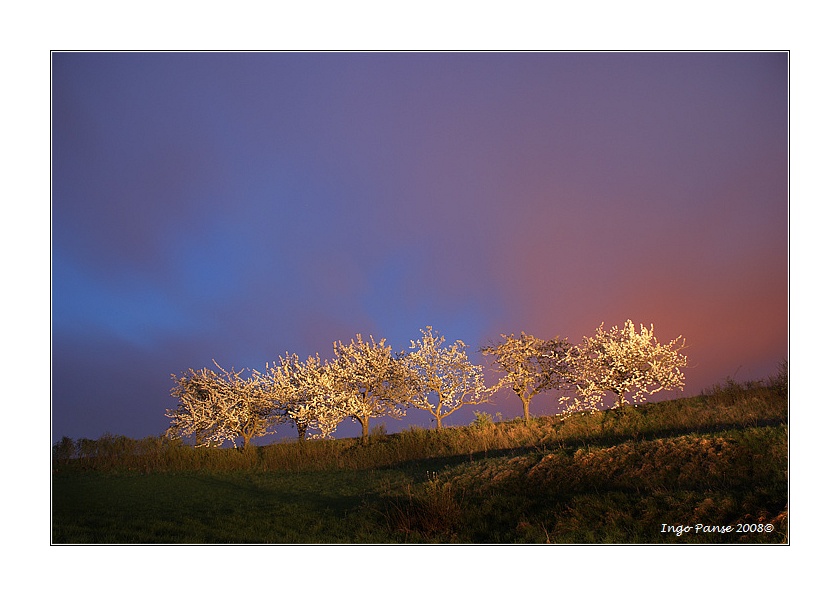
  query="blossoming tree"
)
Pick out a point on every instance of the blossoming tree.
point(310, 393)
point(530, 365)
point(624, 362)
point(219, 407)
point(282, 379)
point(442, 379)
point(369, 372)
point(197, 396)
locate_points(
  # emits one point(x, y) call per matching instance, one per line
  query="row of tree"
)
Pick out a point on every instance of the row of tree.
point(365, 379)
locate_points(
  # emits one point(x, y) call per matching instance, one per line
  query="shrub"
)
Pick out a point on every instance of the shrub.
point(482, 420)
point(64, 450)
point(431, 513)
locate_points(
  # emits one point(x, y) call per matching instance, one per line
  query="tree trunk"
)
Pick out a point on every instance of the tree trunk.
point(301, 428)
point(365, 421)
point(619, 404)
point(438, 413)
point(526, 405)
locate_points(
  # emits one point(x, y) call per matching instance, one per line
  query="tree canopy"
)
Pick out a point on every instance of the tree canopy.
point(219, 407)
point(530, 365)
point(442, 379)
point(622, 361)
point(369, 372)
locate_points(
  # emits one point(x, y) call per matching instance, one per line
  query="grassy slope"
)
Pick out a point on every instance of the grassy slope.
point(719, 459)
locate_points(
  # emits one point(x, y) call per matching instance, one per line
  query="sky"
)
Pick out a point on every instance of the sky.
point(231, 207)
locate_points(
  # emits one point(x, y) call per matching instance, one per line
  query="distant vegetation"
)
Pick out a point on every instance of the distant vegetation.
point(640, 474)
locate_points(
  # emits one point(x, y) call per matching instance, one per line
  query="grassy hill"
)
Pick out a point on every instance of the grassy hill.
point(649, 475)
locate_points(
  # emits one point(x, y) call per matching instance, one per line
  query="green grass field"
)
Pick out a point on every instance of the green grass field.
point(719, 460)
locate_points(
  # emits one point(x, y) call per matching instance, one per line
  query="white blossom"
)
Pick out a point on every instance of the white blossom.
point(369, 372)
point(442, 379)
point(309, 393)
point(530, 365)
point(622, 361)
point(219, 407)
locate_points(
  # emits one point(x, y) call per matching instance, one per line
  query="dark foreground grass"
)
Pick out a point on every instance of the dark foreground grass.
point(235, 507)
point(620, 494)
point(718, 460)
